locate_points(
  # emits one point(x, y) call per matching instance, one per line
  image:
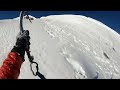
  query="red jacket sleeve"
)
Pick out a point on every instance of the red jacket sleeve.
point(11, 66)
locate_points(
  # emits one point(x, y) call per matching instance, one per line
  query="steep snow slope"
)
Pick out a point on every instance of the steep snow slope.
point(66, 46)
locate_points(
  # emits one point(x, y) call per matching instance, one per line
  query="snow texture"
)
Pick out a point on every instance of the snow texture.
point(66, 47)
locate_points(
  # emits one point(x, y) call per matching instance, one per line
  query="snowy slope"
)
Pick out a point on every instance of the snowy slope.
point(66, 46)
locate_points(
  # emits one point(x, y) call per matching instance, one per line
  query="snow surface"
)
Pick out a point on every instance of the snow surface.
point(66, 47)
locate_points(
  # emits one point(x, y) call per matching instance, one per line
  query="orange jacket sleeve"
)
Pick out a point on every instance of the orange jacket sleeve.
point(11, 66)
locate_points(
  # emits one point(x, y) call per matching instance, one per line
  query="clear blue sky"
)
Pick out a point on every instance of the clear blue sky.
point(110, 18)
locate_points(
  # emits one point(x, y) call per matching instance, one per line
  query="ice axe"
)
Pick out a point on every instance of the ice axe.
point(31, 58)
point(22, 14)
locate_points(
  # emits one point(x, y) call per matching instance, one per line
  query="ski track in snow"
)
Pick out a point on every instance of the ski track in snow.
point(66, 46)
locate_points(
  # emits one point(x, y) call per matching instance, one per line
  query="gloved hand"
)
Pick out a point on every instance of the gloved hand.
point(22, 43)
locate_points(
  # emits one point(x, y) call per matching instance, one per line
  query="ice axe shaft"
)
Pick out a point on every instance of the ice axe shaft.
point(22, 14)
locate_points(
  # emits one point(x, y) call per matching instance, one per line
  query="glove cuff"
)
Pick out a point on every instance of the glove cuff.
point(20, 50)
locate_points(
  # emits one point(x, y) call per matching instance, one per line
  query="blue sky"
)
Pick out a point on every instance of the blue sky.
point(110, 18)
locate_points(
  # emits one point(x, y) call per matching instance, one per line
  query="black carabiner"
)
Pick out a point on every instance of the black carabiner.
point(35, 74)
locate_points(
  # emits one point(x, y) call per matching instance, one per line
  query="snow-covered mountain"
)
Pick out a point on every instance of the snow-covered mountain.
point(66, 47)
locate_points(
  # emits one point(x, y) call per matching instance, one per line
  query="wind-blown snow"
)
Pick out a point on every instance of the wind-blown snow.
point(66, 47)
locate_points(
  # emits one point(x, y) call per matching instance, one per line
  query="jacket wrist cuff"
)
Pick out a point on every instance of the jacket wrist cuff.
point(19, 50)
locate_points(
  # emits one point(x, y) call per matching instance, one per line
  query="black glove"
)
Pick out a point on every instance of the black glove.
point(22, 43)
